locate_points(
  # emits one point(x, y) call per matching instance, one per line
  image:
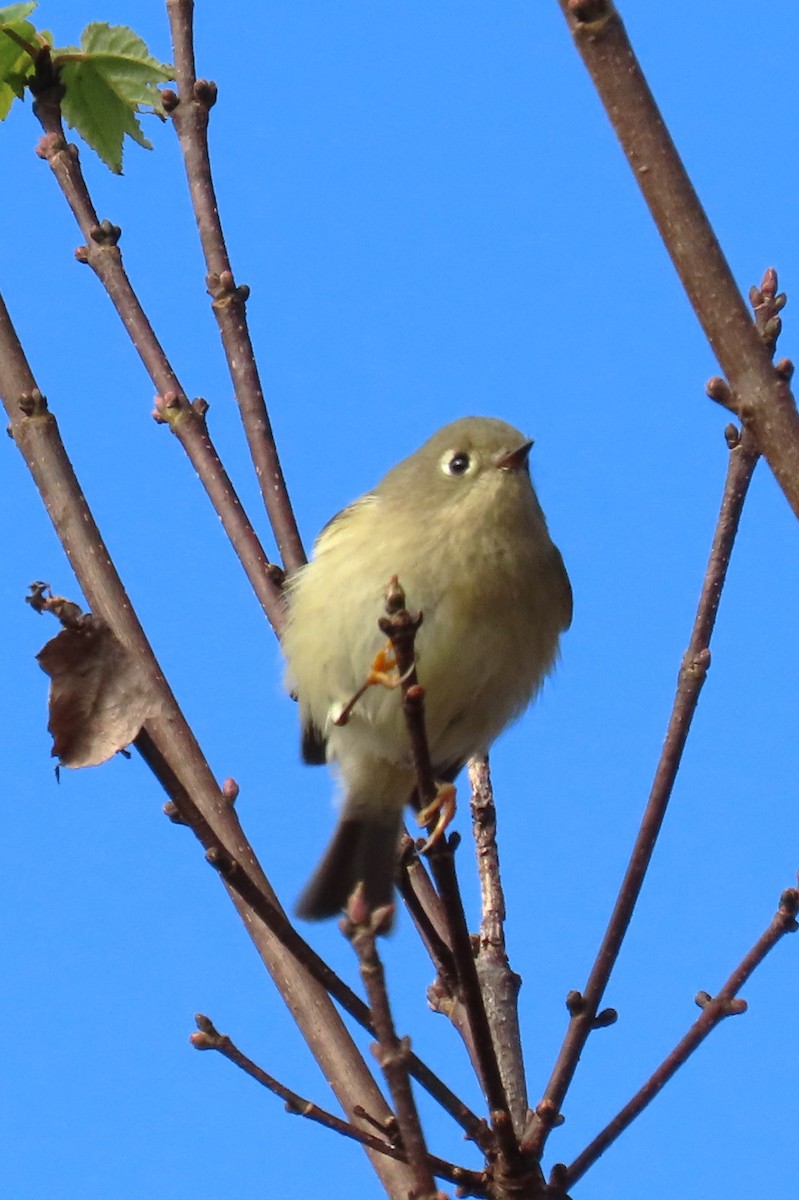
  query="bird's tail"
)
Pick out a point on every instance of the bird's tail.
point(361, 851)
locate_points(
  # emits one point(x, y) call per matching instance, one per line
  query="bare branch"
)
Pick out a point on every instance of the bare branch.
point(693, 671)
point(101, 252)
point(470, 1183)
point(362, 927)
point(759, 395)
point(190, 110)
point(499, 984)
point(714, 1010)
point(264, 904)
point(424, 905)
point(400, 627)
point(209, 1038)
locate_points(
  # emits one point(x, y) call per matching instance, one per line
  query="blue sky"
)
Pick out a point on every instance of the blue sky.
point(434, 219)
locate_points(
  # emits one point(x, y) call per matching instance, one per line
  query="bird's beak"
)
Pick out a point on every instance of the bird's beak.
point(512, 460)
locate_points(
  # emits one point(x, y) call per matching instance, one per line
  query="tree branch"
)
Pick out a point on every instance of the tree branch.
point(760, 396)
point(499, 984)
point(470, 1183)
point(400, 626)
point(101, 252)
point(362, 927)
point(714, 1010)
point(190, 111)
point(693, 671)
point(424, 905)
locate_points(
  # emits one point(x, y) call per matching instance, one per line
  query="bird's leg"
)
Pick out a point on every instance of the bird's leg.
point(383, 671)
point(443, 804)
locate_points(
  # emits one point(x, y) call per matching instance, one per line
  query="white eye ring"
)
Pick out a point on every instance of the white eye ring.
point(456, 463)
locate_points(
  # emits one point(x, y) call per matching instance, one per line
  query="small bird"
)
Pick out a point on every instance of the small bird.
point(459, 524)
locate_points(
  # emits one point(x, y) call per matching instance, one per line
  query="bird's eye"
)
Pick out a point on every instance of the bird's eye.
point(457, 464)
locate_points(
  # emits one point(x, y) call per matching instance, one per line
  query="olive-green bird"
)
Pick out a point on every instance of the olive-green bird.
point(459, 524)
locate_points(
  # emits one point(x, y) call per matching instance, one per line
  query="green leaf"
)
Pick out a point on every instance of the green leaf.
point(16, 12)
point(108, 81)
point(16, 64)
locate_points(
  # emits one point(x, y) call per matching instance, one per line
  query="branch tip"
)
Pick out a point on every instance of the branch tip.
point(697, 663)
point(223, 862)
point(208, 1037)
point(388, 1127)
point(719, 390)
point(276, 574)
point(548, 1114)
point(170, 810)
point(588, 11)
point(105, 233)
point(575, 1003)
point(230, 791)
point(558, 1176)
point(168, 406)
point(206, 92)
point(50, 144)
point(201, 1041)
point(789, 905)
point(604, 1019)
point(33, 404)
point(395, 596)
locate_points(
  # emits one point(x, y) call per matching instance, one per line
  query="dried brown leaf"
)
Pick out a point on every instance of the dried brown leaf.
point(99, 697)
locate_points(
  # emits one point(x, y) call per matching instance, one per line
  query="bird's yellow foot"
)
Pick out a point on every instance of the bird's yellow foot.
point(383, 671)
point(444, 805)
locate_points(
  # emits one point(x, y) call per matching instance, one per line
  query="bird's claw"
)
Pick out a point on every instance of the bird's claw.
point(383, 672)
point(444, 805)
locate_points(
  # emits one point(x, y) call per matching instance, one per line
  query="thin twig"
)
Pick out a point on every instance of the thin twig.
point(714, 1010)
point(400, 627)
point(499, 984)
point(187, 421)
point(265, 906)
point(427, 913)
point(470, 1183)
point(759, 396)
point(190, 113)
point(693, 672)
point(583, 1008)
point(424, 905)
point(362, 927)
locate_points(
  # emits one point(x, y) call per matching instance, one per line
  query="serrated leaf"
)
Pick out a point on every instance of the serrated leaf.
point(16, 12)
point(108, 81)
point(127, 63)
point(98, 114)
